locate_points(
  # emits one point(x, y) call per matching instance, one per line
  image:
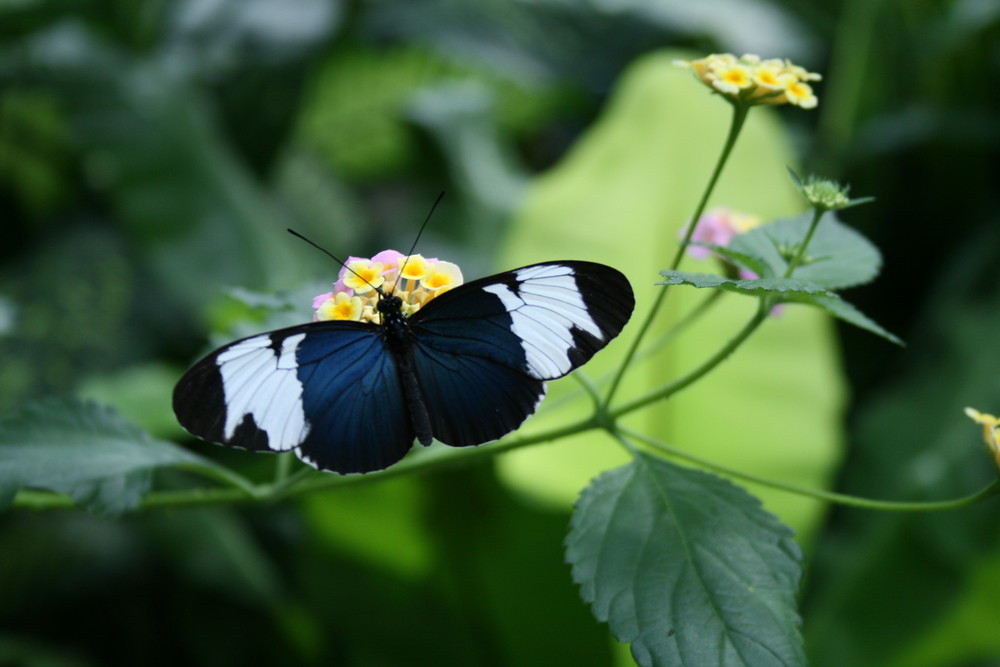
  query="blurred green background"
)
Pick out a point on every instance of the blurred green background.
point(153, 153)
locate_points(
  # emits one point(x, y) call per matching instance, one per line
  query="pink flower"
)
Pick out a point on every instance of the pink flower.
point(719, 226)
point(387, 257)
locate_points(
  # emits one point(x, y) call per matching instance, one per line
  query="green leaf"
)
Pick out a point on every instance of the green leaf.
point(84, 450)
point(786, 287)
point(687, 567)
point(837, 256)
point(845, 311)
point(789, 289)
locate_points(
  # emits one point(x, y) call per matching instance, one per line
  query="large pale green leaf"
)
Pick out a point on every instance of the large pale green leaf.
point(621, 197)
point(686, 567)
point(85, 451)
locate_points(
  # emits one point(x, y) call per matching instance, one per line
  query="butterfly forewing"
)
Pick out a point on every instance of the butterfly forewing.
point(328, 390)
point(246, 394)
point(544, 319)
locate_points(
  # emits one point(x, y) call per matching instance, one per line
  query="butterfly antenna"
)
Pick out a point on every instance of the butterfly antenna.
point(419, 232)
point(334, 258)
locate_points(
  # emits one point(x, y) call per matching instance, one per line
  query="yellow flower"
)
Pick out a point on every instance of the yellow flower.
point(414, 267)
point(799, 93)
point(768, 75)
point(732, 79)
point(443, 276)
point(991, 430)
point(751, 80)
point(363, 276)
point(340, 307)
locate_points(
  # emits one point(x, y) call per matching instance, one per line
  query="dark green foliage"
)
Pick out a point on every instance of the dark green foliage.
point(686, 567)
point(152, 155)
point(85, 451)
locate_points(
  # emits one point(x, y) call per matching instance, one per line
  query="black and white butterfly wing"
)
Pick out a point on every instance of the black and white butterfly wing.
point(328, 390)
point(483, 350)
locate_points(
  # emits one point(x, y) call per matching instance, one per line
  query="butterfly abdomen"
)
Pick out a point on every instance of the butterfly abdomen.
point(399, 340)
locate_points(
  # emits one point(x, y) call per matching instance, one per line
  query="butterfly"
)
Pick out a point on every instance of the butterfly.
point(467, 368)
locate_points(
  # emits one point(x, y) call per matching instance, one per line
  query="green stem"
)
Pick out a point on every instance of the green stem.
point(739, 117)
point(589, 387)
point(48, 500)
point(283, 466)
point(223, 475)
point(680, 383)
point(819, 494)
point(454, 457)
point(800, 251)
point(282, 487)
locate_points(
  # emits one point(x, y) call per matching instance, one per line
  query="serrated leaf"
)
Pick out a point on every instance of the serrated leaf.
point(790, 289)
point(84, 450)
point(845, 311)
point(786, 287)
point(686, 567)
point(837, 256)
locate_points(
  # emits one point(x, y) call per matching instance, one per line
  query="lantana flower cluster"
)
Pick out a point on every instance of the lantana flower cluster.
point(413, 278)
point(752, 80)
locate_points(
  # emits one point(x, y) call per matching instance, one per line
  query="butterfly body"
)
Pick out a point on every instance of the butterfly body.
point(467, 368)
point(399, 339)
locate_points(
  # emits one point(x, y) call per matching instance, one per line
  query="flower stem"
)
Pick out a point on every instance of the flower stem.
point(829, 496)
point(800, 251)
point(283, 466)
point(739, 117)
point(673, 387)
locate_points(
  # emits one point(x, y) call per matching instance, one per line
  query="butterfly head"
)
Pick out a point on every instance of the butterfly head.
point(389, 304)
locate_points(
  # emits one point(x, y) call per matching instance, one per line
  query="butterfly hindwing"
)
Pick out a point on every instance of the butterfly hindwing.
point(472, 399)
point(328, 390)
